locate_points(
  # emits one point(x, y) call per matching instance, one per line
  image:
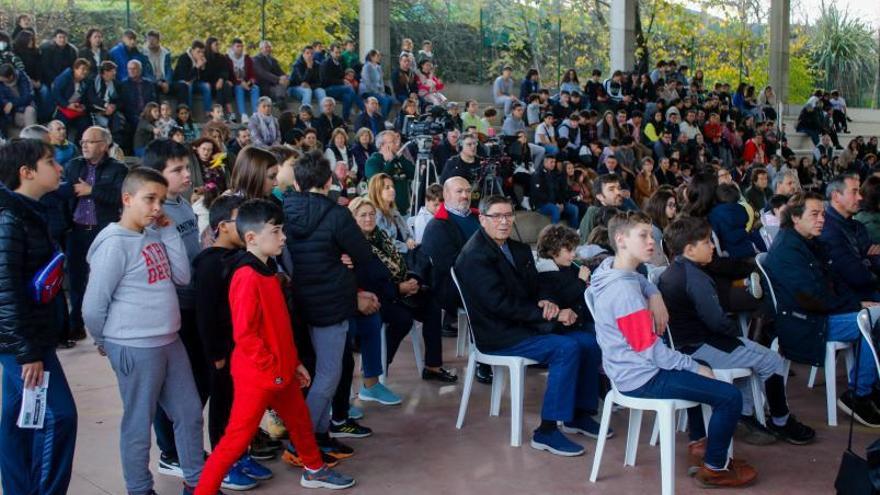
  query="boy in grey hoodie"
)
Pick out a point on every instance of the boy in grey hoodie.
point(131, 310)
point(172, 159)
point(639, 364)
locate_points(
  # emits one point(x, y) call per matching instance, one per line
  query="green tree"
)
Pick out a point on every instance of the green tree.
point(289, 26)
point(843, 51)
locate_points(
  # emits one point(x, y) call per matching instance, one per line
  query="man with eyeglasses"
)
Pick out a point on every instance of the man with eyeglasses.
point(512, 315)
point(93, 186)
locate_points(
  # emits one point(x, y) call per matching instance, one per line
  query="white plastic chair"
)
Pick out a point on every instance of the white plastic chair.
point(516, 365)
point(717, 243)
point(461, 340)
point(867, 318)
point(831, 348)
point(665, 409)
point(415, 334)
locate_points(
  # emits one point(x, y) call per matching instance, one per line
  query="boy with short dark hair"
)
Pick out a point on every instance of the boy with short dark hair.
point(131, 309)
point(433, 198)
point(31, 460)
point(212, 271)
point(701, 329)
point(630, 317)
point(265, 366)
point(171, 159)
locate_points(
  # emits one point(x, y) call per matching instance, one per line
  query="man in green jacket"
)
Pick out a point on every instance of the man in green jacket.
point(401, 170)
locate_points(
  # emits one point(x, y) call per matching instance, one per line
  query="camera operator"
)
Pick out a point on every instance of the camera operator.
point(513, 124)
point(447, 148)
point(465, 164)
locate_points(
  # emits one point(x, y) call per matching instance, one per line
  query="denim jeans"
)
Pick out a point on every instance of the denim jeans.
point(573, 358)
point(347, 96)
point(569, 211)
point(724, 398)
point(37, 461)
point(305, 95)
point(240, 93)
point(368, 331)
point(385, 102)
point(845, 328)
point(185, 94)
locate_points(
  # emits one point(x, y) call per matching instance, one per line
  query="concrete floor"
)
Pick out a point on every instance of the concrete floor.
point(416, 448)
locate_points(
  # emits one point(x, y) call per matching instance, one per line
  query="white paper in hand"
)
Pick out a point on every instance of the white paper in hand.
point(33, 405)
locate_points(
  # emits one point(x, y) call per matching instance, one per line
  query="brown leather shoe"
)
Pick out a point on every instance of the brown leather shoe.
point(736, 475)
point(696, 453)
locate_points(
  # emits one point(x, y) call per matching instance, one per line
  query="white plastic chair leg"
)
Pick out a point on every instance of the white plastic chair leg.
point(667, 449)
point(744, 320)
point(758, 398)
point(849, 359)
point(683, 420)
point(466, 390)
point(603, 433)
point(831, 385)
point(462, 338)
point(786, 369)
point(655, 433)
point(384, 353)
point(498, 380)
point(517, 390)
point(632, 436)
point(812, 381)
point(681, 424)
point(418, 348)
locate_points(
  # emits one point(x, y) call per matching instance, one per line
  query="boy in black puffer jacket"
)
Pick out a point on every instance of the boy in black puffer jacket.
point(29, 327)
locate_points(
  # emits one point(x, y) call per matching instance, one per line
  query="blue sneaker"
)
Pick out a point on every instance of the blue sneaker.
point(354, 412)
point(555, 443)
point(379, 393)
point(325, 478)
point(237, 480)
point(585, 426)
point(254, 469)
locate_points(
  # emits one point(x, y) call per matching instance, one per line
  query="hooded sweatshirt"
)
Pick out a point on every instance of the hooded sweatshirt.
point(212, 271)
point(264, 354)
point(631, 352)
point(130, 298)
point(187, 224)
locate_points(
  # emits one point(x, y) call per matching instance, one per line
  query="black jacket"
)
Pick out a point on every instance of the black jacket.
point(332, 73)
point(26, 328)
point(186, 71)
point(695, 313)
point(301, 73)
point(212, 273)
point(568, 291)
point(403, 83)
point(325, 127)
point(456, 167)
point(807, 291)
point(107, 191)
point(318, 232)
point(55, 59)
point(442, 242)
point(548, 187)
point(216, 68)
point(502, 298)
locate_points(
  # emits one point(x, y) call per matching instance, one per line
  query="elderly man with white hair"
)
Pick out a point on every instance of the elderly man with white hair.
point(135, 93)
point(270, 76)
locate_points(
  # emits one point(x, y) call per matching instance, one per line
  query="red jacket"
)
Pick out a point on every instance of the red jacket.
point(264, 354)
point(249, 73)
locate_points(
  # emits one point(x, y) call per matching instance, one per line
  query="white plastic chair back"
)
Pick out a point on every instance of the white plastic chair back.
point(717, 243)
point(867, 319)
point(467, 313)
point(760, 260)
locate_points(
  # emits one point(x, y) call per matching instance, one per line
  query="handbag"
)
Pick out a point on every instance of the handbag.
point(71, 114)
point(853, 477)
point(48, 280)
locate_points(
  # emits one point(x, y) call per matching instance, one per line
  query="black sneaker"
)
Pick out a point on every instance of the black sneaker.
point(484, 374)
point(260, 448)
point(750, 431)
point(169, 465)
point(334, 448)
point(793, 432)
point(860, 408)
point(349, 429)
point(441, 376)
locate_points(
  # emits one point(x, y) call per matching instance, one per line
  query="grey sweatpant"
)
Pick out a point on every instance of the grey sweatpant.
point(751, 355)
point(149, 377)
point(329, 344)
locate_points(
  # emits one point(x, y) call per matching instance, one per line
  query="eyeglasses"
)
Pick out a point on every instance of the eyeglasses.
point(97, 141)
point(499, 217)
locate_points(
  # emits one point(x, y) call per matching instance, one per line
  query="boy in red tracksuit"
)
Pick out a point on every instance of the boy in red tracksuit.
point(266, 371)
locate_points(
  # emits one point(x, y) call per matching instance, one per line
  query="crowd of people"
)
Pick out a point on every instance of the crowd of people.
point(244, 260)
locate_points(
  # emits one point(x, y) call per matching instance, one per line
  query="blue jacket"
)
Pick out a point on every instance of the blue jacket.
point(62, 88)
point(150, 71)
point(134, 96)
point(25, 92)
point(807, 291)
point(120, 55)
point(846, 241)
point(729, 222)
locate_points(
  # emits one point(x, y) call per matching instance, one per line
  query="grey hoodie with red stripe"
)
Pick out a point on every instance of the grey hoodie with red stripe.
point(631, 352)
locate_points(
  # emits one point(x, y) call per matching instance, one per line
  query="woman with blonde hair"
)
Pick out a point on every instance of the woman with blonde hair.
point(380, 191)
